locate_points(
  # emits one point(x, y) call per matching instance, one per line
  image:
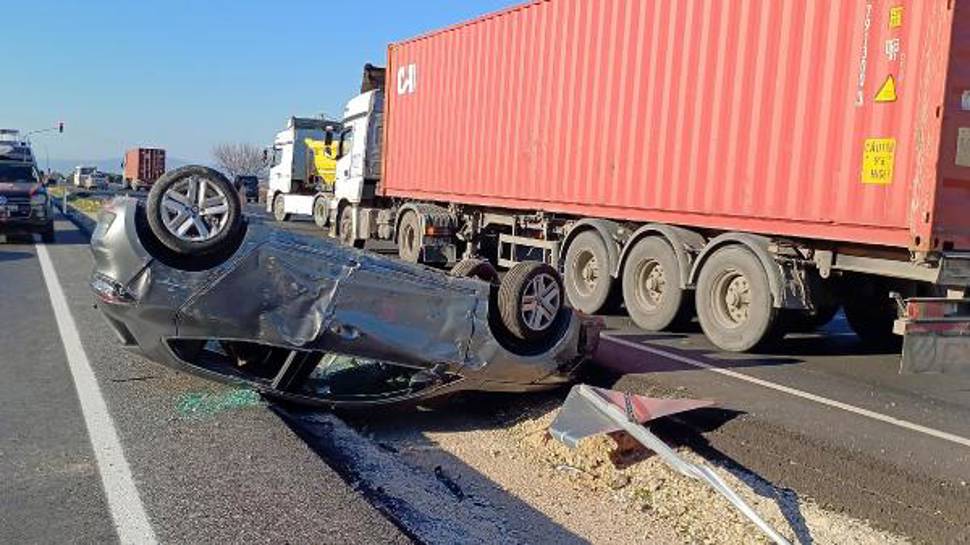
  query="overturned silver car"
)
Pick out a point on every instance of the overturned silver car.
point(188, 282)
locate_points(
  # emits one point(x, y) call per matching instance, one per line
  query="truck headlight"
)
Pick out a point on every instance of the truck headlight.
point(38, 199)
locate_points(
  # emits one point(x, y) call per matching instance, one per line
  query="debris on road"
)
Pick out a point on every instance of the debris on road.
point(206, 404)
point(590, 411)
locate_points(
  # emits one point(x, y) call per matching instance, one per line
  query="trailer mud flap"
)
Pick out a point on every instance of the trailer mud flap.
point(936, 336)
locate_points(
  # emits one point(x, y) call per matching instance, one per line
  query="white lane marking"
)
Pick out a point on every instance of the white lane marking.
point(130, 519)
point(795, 392)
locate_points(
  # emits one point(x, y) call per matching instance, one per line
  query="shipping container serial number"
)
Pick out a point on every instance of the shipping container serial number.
point(878, 161)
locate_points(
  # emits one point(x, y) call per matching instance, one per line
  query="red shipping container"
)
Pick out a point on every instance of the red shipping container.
point(832, 120)
point(144, 165)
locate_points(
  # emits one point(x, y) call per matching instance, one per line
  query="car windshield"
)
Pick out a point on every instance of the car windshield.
point(16, 173)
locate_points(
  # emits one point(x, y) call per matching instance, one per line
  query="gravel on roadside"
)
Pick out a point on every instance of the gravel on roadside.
point(605, 491)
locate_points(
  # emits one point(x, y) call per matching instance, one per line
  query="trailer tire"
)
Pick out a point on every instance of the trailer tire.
point(587, 273)
point(870, 312)
point(652, 292)
point(279, 209)
point(476, 268)
point(321, 214)
point(346, 233)
point(409, 237)
point(734, 303)
point(531, 300)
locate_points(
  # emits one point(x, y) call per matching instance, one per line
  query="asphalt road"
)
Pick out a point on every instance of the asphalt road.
point(209, 464)
point(825, 416)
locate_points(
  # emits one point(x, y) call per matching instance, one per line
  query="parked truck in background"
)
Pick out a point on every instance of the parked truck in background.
point(142, 166)
point(302, 169)
point(89, 177)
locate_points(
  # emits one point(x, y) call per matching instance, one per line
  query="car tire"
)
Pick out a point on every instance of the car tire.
point(587, 273)
point(734, 302)
point(191, 224)
point(531, 298)
point(346, 233)
point(409, 237)
point(48, 235)
point(652, 289)
point(476, 268)
point(321, 213)
point(279, 209)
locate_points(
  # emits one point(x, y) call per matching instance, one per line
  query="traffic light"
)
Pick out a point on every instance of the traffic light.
point(60, 127)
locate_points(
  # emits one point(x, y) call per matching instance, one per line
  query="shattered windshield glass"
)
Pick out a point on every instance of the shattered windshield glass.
point(330, 375)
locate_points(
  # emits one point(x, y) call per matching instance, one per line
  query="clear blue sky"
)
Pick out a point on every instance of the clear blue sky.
point(186, 74)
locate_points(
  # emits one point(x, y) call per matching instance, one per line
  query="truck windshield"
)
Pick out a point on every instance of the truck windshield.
point(16, 173)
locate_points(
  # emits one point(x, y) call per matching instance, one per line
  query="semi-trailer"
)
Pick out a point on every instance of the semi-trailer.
point(142, 167)
point(757, 164)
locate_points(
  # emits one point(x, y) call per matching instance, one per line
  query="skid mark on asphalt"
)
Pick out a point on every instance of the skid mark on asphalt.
point(202, 405)
point(952, 438)
point(127, 512)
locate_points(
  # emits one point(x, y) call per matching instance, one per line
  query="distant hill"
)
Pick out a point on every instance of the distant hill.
point(111, 166)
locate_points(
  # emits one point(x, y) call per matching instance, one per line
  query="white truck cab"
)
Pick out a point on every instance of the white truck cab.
point(359, 163)
point(298, 184)
point(89, 177)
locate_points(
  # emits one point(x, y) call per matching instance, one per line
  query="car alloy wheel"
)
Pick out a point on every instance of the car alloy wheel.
point(194, 209)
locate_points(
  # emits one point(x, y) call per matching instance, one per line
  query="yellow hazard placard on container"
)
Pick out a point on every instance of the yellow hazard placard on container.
point(887, 93)
point(896, 17)
point(879, 161)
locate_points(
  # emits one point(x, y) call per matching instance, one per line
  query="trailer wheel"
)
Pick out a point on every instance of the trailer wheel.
point(279, 209)
point(475, 268)
point(734, 303)
point(321, 213)
point(651, 286)
point(409, 237)
point(587, 273)
point(870, 312)
point(346, 225)
point(530, 299)
point(194, 211)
